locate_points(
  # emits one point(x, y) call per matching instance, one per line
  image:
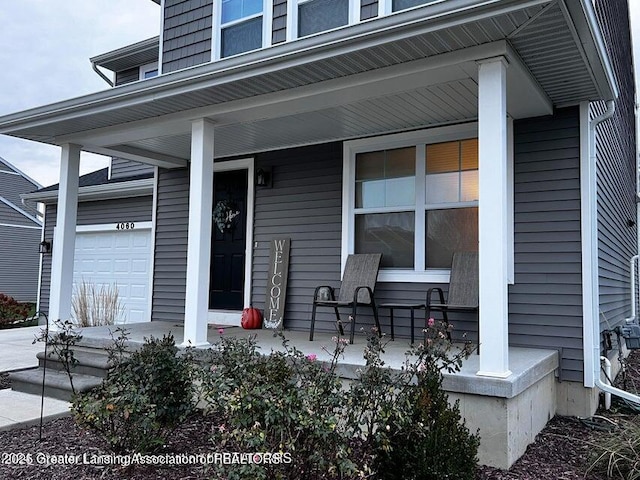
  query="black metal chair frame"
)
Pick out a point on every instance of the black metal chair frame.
point(358, 294)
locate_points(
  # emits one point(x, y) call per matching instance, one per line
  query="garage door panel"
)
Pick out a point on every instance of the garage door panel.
point(121, 258)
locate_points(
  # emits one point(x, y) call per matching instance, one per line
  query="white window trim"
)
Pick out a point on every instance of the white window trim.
point(351, 148)
point(267, 28)
point(292, 18)
point(147, 68)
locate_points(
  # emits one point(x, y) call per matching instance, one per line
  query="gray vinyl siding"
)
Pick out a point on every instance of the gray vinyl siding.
point(616, 151)
point(137, 209)
point(170, 269)
point(545, 303)
point(19, 263)
point(279, 25)
point(187, 34)
point(121, 168)
point(368, 9)
point(127, 76)
point(13, 217)
point(11, 186)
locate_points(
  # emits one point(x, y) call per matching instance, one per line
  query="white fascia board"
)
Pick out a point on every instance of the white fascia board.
point(20, 211)
point(133, 188)
point(394, 27)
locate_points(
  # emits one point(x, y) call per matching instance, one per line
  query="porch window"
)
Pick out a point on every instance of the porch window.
point(241, 26)
point(416, 204)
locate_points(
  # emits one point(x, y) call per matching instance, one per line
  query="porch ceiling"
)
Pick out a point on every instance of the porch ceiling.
point(551, 41)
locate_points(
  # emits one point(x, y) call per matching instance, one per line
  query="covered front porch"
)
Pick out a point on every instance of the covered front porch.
point(423, 73)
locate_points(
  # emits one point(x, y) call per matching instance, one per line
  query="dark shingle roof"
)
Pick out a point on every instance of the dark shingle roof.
point(99, 177)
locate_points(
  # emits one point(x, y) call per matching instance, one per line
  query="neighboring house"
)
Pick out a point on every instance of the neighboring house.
point(411, 128)
point(20, 235)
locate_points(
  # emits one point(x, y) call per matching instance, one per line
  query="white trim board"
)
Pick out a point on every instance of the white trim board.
point(11, 225)
point(109, 227)
point(20, 211)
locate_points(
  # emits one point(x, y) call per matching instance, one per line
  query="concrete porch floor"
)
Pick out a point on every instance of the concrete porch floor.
point(528, 365)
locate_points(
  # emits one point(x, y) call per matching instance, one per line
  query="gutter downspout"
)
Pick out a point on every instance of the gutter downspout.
point(102, 75)
point(596, 318)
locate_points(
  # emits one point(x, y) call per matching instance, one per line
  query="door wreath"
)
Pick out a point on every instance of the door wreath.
point(223, 215)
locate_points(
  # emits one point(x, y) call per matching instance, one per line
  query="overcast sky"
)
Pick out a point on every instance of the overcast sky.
point(44, 58)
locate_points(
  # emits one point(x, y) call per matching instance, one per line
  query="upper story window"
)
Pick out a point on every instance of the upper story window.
point(243, 26)
point(307, 17)
point(389, 6)
point(413, 198)
point(148, 71)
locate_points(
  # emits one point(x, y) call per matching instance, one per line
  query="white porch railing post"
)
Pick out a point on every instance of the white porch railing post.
point(199, 234)
point(493, 217)
point(65, 236)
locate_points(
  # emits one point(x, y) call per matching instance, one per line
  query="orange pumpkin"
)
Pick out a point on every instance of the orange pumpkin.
point(251, 318)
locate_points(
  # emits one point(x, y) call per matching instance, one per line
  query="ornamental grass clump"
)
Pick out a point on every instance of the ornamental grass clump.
point(616, 454)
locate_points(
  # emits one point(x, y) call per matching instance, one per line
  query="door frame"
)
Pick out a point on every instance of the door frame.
point(232, 317)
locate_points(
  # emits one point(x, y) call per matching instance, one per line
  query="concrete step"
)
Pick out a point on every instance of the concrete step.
point(95, 362)
point(56, 383)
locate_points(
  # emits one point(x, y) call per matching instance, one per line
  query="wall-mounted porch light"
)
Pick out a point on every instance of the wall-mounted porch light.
point(263, 177)
point(44, 247)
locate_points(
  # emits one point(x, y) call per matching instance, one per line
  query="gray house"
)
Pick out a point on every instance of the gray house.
point(20, 234)
point(411, 128)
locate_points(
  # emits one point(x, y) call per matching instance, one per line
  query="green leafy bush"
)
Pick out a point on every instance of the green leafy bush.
point(284, 403)
point(144, 397)
point(387, 424)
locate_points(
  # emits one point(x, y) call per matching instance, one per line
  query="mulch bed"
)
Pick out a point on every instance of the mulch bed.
point(560, 451)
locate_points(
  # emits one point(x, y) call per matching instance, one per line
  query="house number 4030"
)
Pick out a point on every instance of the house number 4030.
point(125, 226)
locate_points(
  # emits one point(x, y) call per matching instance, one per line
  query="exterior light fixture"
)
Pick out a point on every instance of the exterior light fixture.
point(263, 177)
point(44, 247)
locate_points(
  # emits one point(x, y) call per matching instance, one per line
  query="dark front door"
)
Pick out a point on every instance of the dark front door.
point(228, 240)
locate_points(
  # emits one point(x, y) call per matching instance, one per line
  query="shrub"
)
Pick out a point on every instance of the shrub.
point(143, 398)
point(386, 424)
point(409, 429)
point(12, 311)
point(284, 403)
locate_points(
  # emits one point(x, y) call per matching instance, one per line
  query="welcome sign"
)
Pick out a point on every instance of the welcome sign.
point(277, 283)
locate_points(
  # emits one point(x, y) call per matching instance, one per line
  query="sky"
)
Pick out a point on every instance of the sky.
point(44, 58)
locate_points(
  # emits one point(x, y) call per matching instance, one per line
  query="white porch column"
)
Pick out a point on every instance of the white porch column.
point(199, 235)
point(493, 231)
point(64, 240)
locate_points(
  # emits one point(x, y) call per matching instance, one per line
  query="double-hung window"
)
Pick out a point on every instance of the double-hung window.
point(414, 198)
point(242, 27)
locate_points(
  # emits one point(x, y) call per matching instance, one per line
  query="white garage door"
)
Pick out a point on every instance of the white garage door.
point(106, 255)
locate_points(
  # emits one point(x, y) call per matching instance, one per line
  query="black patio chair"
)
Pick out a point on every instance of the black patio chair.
point(357, 289)
point(463, 288)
